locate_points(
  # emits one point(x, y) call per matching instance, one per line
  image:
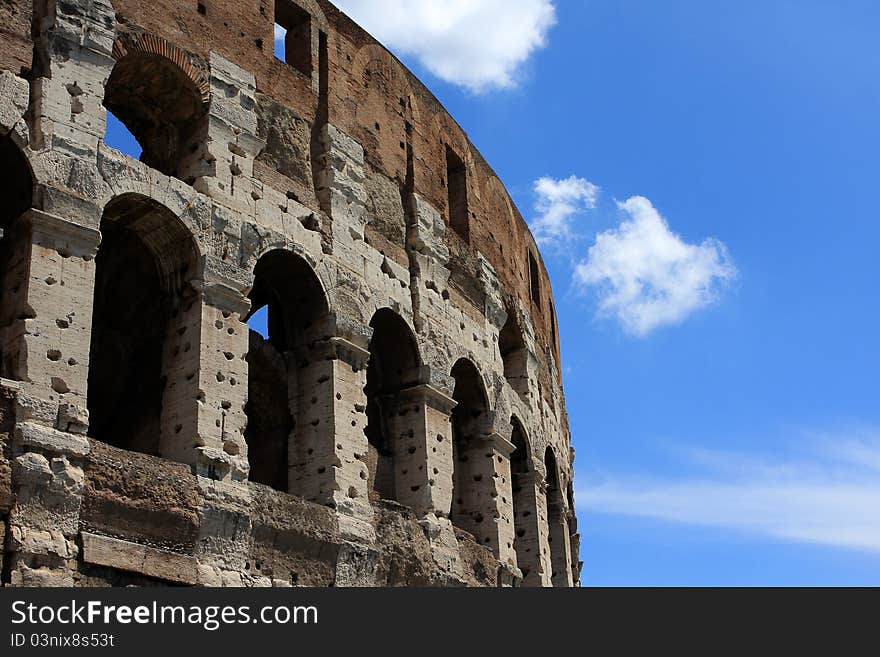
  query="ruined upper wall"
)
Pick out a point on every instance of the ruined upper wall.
point(372, 97)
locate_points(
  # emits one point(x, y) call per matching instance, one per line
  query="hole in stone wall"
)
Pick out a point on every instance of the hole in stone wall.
point(16, 189)
point(514, 355)
point(293, 36)
point(161, 108)
point(118, 136)
point(393, 367)
point(145, 261)
point(288, 316)
point(456, 186)
point(468, 450)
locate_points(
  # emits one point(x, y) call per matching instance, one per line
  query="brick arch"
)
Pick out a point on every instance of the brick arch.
point(143, 42)
point(162, 95)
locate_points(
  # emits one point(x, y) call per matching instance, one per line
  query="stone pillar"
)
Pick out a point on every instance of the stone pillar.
point(46, 329)
point(528, 542)
point(576, 564)
point(329, 447)
point(423, 449)
point(210, 405)
point(544, 576)
point(484, 505)
point(72, 67)
point(225, 170)
point(47, 333)
point(497, 497)
point(560, 551)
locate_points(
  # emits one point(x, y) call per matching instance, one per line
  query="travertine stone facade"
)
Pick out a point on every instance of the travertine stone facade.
point(402, 424)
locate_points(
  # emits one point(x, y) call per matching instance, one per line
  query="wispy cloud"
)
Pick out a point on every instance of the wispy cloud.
point(557, 203)
point(646, 276)
point(478, 44)
point(829, 495)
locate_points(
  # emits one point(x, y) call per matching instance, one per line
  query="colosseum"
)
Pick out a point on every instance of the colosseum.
point(401, 423)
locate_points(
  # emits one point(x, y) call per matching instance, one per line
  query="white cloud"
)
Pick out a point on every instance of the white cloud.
point(647, 276)
point(831, 497)
point(478, 44)
point(558, 202)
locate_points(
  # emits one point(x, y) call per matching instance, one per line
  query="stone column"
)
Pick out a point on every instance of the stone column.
point(210, 405)
point(545, 573)
point(575, 542)
point(423, 449)
point(527, 525)
point(560, 551)
point(47, 332)
point(48, 314)
point(497, 497)
point(329, 447)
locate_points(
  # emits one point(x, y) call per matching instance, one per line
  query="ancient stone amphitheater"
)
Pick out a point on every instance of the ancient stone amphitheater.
point(402, 424)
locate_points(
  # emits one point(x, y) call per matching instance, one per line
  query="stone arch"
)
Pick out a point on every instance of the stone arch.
point(161, 94)
point(395, 366)
point(16, 191)
point(321, 267)
point(556, 522)
point(473, 509)
point(280, 368)
point(145, 324)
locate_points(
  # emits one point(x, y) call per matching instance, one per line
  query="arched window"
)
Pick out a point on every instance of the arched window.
point(162, 107)
point(139, 346)
point(16, 189)
point(472, 507)
point(558, 529)
point(514, 355)
point(289, 319)
point(525, 508)
point(394, 366)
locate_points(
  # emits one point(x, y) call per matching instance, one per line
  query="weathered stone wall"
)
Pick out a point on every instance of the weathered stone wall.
point(396, 426)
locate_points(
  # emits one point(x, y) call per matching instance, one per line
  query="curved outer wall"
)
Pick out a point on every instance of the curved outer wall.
point(343, 158)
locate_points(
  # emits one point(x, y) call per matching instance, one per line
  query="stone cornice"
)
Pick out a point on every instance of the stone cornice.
point(77, 240)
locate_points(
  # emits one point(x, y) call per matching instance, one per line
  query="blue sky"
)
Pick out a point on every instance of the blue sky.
point(704, 204)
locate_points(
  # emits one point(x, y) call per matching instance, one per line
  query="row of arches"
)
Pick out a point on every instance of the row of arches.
point(143, 295)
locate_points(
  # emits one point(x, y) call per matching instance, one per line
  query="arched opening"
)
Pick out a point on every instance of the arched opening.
point(558, 530)
point(289, 317)
point(16, 190)
point(394, 366)
point(514, 355)
point(471, 459)
point(144, 265)
point(526, 542)
point(162, 108)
